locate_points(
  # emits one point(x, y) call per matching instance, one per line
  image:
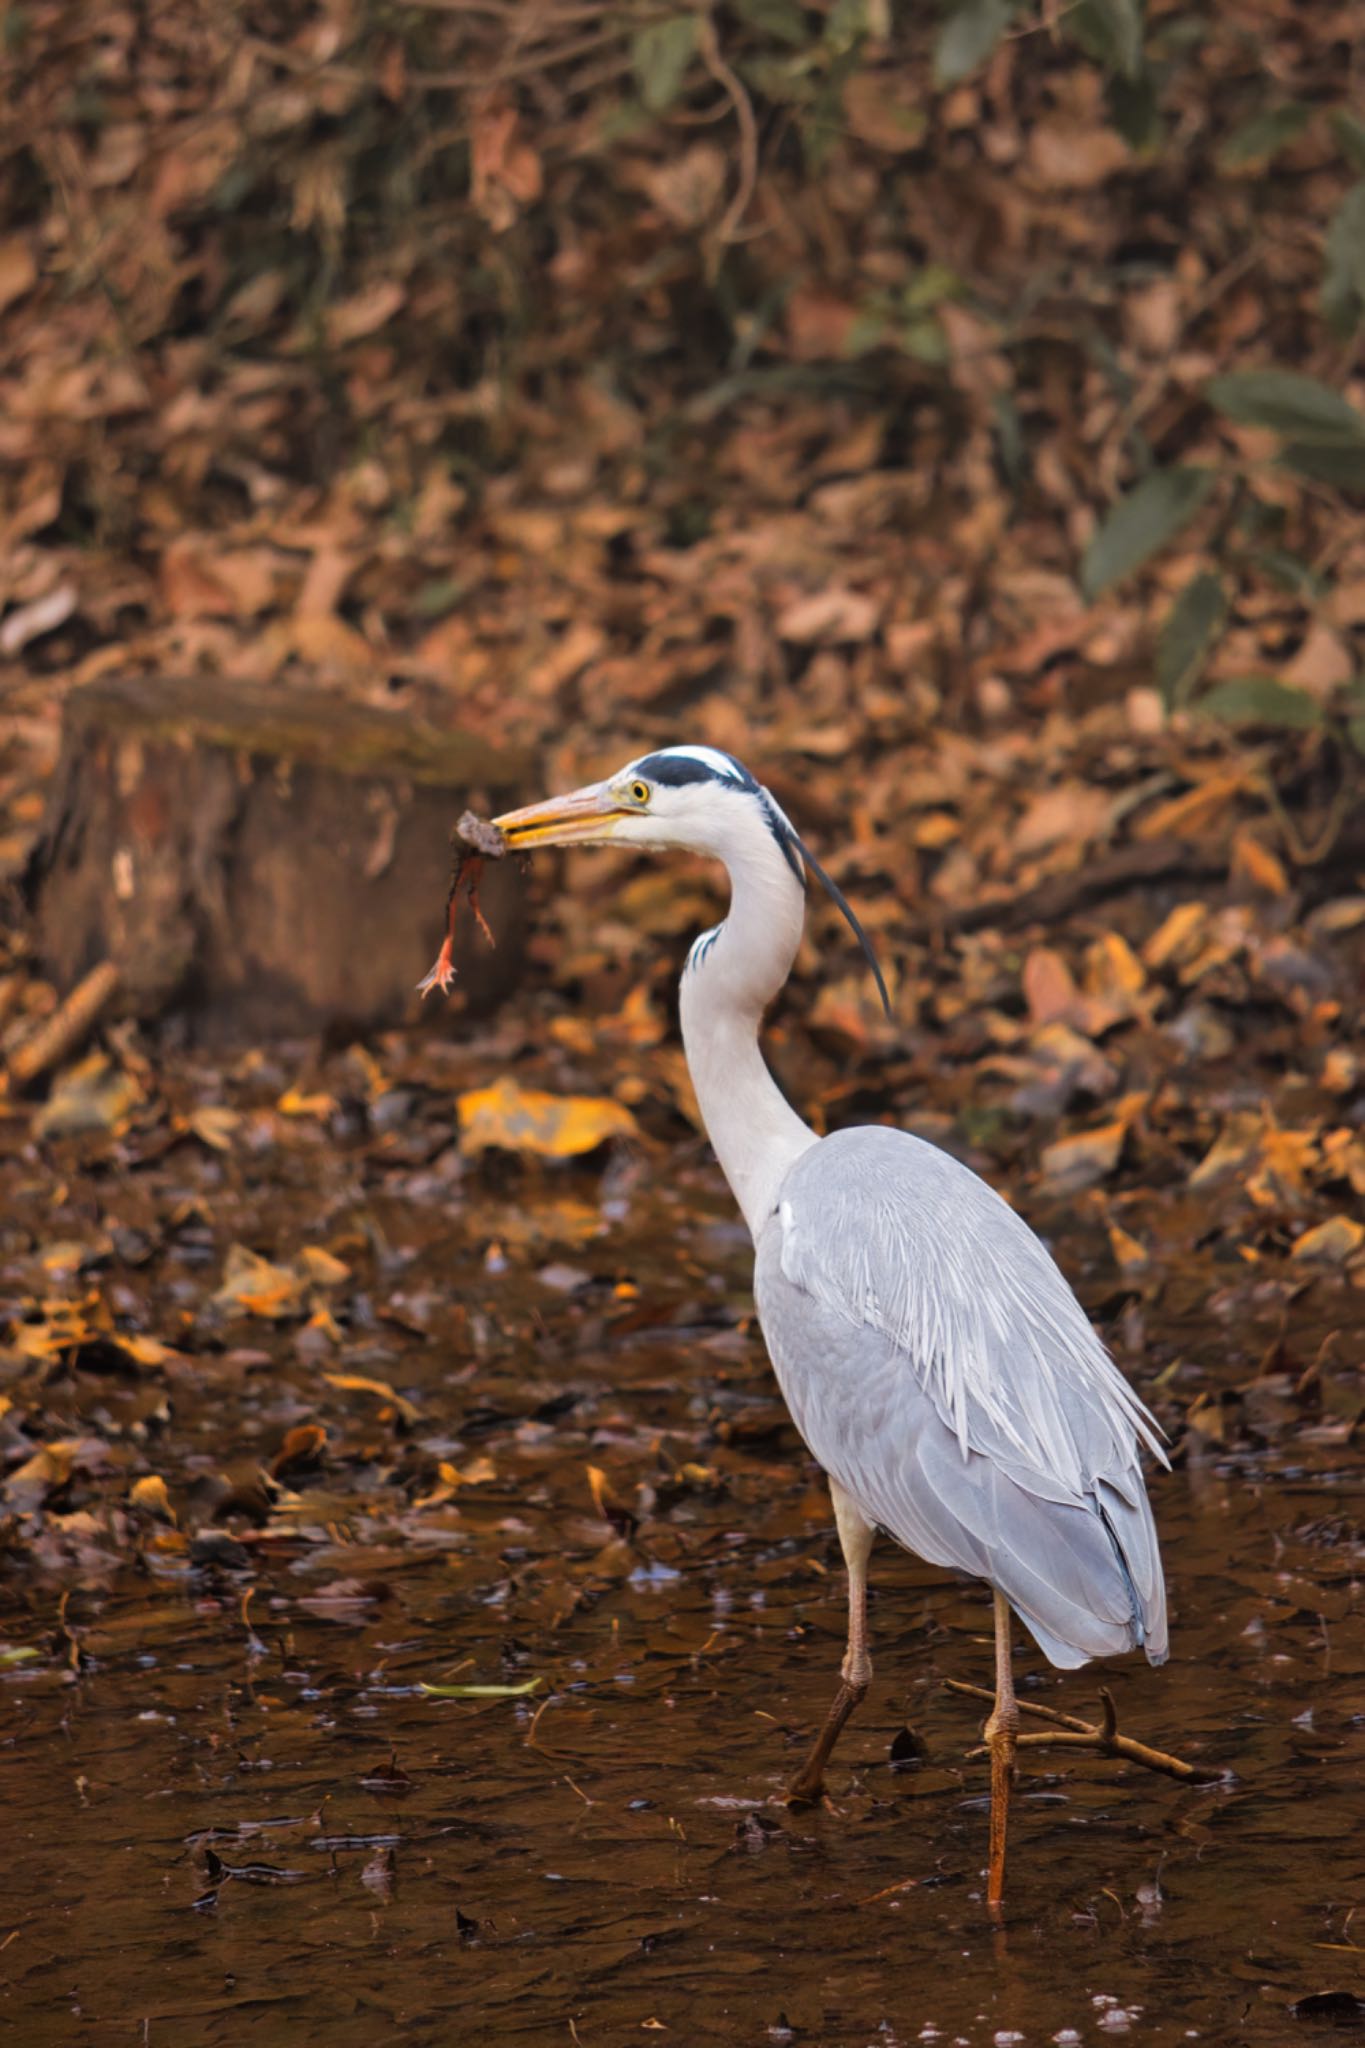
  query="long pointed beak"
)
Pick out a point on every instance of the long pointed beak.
point(584, 815)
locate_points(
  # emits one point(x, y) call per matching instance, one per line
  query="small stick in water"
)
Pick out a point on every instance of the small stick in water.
point(482, 841)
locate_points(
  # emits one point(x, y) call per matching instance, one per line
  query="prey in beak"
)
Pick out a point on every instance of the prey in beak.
point(590, 814)
point(586, 815)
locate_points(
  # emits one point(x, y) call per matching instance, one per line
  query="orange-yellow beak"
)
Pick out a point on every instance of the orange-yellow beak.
point(584, 815)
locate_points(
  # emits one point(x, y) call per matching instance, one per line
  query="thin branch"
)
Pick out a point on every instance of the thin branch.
point(709, 49)
point(1103, 1736)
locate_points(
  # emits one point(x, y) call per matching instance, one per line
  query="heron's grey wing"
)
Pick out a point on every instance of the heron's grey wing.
point(938, 1365)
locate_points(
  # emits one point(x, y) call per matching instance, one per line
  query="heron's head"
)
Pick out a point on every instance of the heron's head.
point(695, 798)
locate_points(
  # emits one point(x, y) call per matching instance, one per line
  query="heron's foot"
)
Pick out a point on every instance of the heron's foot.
point(808, 1786)
point(1070, 1732)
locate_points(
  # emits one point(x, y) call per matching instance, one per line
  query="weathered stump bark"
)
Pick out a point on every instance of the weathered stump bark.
point(265, 864)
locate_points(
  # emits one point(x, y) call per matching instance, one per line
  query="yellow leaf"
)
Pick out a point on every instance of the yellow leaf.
point(1331, 1243)
point(527, 1120)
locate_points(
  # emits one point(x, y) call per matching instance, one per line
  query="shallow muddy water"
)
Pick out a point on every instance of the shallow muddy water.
point(231, 1814)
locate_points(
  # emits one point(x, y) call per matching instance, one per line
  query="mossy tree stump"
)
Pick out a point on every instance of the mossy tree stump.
point(263, 863)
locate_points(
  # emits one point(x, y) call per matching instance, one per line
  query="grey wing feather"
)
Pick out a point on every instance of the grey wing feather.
point(938, 1365)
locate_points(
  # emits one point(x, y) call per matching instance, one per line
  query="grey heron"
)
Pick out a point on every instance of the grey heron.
point(937, 1365)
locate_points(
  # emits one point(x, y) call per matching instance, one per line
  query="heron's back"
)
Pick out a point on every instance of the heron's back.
point(940, 1368)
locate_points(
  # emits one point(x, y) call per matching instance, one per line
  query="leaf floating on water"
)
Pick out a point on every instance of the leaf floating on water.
point(361, 1383)
point(301, 1450)
point(92, 1096)
point(215, 1126)
point(516, 1119)
point(481, 1692)
point(257, 1285)
point(298, 1102)
point(150, 1493)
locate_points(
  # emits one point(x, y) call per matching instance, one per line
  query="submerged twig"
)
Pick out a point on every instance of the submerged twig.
point(482, 841)
point(1103, 1736)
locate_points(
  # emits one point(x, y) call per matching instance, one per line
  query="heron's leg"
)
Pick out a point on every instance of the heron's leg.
point(856, 1537)
point(1001, 1731)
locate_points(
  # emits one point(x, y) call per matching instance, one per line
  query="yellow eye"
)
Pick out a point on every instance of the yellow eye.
point(639, 792)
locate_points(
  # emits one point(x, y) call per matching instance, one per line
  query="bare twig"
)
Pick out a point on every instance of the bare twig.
point(65, 1028)
point(708, 47)
point(1103, 1736)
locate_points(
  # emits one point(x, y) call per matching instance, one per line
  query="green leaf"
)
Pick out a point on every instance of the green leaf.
point(1299, 407)
point(1260, 700)
point(1162, 504)
point(968, 37)
point(1189, 632)
point(782, 20)
point(20, 1654)
point(1110, 31)
point(1343, 278)
point(1264, 135)
point(661, 55)
point(1291, 573)
point(1135, 110)
point(481, 1692)
point(1342, 468)
point(1349, 130)
point(845, 25)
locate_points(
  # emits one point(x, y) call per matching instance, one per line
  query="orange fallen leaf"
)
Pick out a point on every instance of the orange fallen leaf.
point(1113, 971)
point(1254, 863)
point(1129, 1255)
point(1177, 936)
point(1286, 1157)
point(1331, 1243)
point(1193, 811)
point(1079, 1162)
point(1049, 988)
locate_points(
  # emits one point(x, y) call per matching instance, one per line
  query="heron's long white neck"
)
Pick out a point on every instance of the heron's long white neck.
point(729, 980)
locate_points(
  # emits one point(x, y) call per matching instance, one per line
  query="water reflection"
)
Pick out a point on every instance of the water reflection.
point(232, 1819)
